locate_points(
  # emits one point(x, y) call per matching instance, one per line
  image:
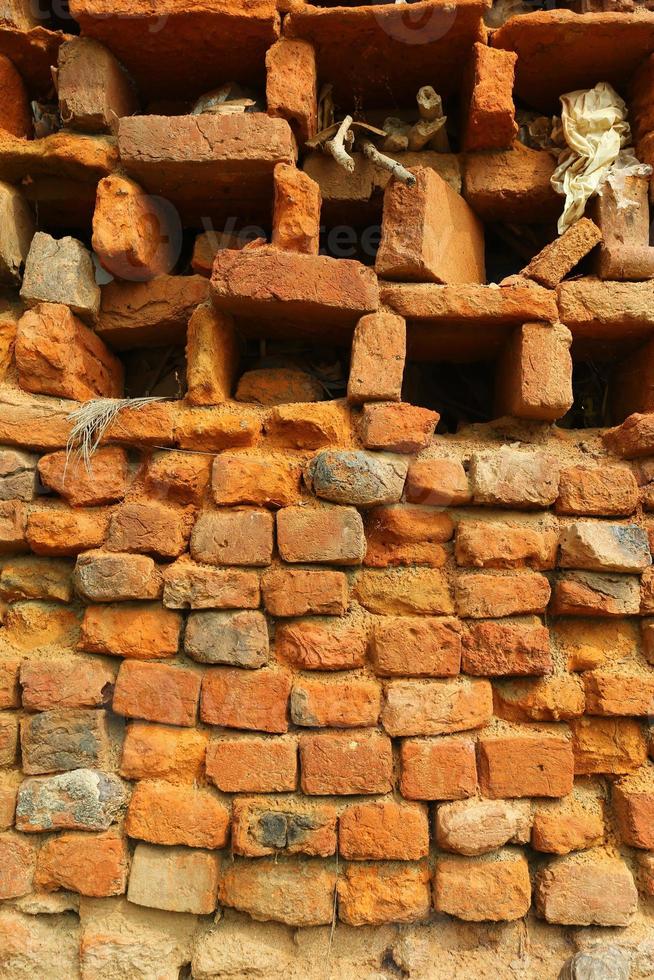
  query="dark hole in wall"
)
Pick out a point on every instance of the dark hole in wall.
point(591, 408)
point(461, 393)
point(57, 16)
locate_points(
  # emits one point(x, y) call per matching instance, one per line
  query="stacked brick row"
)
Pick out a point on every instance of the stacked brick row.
point(293, 661)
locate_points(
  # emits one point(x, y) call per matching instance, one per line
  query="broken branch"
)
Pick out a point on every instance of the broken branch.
point(387, 163)
point(336, 146)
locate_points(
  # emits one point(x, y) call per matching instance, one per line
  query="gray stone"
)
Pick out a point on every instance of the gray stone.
point(17, 475)
point(16, 232)
point(604, 963)
point(80, 800)
point(61, 271)
point(358, 478)
point(236, 638)
point(604, 547)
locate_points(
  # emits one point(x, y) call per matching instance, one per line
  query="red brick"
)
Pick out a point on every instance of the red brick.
point(612, 746)
point(105, 483)
point(632, 439)
point(495, 887)
point(157, 692)
point(176, 755)
point(633, 804)
point(257, 700)
point(289, 825)
point(556, 698)
point(253, 763)
point(488, 595)
point(429, 234)
point(212, 357)
point(384, 831)
point(260, 480)
point(397, 428)
point(293, 891)
point(512, 186)
point(328, 533)
point(376, 894)
point(90, 864)
point(239, 537)
point(404, 591)
point(94, 89)
point(302, 592)
point(407, 534)
point(136, 314)
point(296, 210)
point(142, 631)
point(278, 386)
point(416, 646)
point(491, 544)
point(437, 482)
point(16, 115)
point(149, 527)
point(56, 354)
point(556, 260)
point(57, 532)
point(346, 763)
point(291, 85)
point(17, 864)
point(165, 813)
point(191, 586)
point(605, 491)
point(489, 111)
point(596, 594)
point(321, 645)
point(436, 707)
point(73, 682)
point(335, 702)
point(378, 356)
point(308, 426)
point(180, 478)
point(516, 766)
point(438, 768)
point(496, 648)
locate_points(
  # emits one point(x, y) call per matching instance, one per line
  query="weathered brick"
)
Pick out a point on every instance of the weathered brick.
point(496, 648)
point(157, 692)
point(559, 697)
point(628, 693)
point(176, 755)
point(180, 478)
point(437, 482)
point(404, 592)
point(68, 738)
point(283, 824)
point(291, 85)
point(10, 781)
point(434, 707)
point(315, 644)
point(489, 111)
point(346, 763)
point(93, 87)
point(590, 643)
point(80, 800)
point(13, 526)
point(308, 426)
point(17, 474)
point(574, 890)
point(491, 544)
point(632, 439)
point(326, 534)
point(335, 702)
point(61, 272)
point(438, 768)
point(188, 585)
point(355, 477)
point(376, 894)
point(633, 803)
point(135, 314)
point(239, 537)
point(263, 480)
point(212, 430)
point(407, 534)
point(296, 210)
point(303, 592)
point(603, 547)
point(212, 356)
point(296, 892)
point(9, 740)
point(17, 865)
point(556, 260)
point(495, 887)
point(515, 766)
point(66, 682)
point(473, 827)
point(149, 527)
point(479, 596)
point(416, 646)
point(514, 478)
point(239, 639)
point(178, 879)
point(166, 813)
point(10, 693)
point(36, 578)
point(256, 700)
point(597, 491)
point(397, 427)
point(534, 373)
point(95, 865)
point(16, 113)
point(596, 594)
point(58, 532)
point(34, 625)
point(614, 746)
point(384, 831)
point(378, 356)
point(142, 631)
point(102, 576)
point(278, 386)
point(253, 763)
point(574, 823)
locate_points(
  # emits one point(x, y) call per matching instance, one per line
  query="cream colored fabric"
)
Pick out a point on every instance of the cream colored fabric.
point(595, 128)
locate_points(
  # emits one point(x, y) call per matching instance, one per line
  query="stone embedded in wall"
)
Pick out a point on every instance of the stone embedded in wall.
point(61, 271)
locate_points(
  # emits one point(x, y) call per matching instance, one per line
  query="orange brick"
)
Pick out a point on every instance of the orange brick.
point(384, 831)
point(571, 824)
point(559, 697)
point(497, 647)
point(157, 692)
point(335, 702)
point(307, 425)
point(252, 763)
point(105, 482)
point(297, 892)
point(141, 631)
point(346, 763)
point(590, 643)
point(8, 739)
point(418, 646)
point(166, 813)
point(10, 780)
point(438, 768)
point(321, 645)
point(9, 689)
point(75, 682)
point(17, 864)
point(633, 804)
point(296, 210)
point(534, 373)
point(238, 537)
point(302, 592)
point(491, 544)
point(328, 533)
point(263, 480)
point(158, 752)
point(407, 534)
point(434, 707)
point(378, 356)
point(619, 694)
point(438, 483)
point(180, 478)
point(151, 528)
point(405, 591)
point(597, 491)
point(57, 532)
point(283, 824)
point(489, 111)
point(94, 865)
point(397, 427)
point(491, 888)
point(251, 699)
point(525, 766)
point(376, 894)
point(481, 596)
point(614, 746)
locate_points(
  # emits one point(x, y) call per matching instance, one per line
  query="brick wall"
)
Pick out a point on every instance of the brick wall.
point(297, 677)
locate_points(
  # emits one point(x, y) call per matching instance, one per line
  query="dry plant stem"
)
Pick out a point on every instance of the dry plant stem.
point(424, 131)
point(381, 160)
point(336, 146)
point(90, 422)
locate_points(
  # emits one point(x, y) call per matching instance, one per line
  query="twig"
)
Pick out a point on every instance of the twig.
point(387, 163)
point(336, 146)
point(90, 422)
point(424, 131)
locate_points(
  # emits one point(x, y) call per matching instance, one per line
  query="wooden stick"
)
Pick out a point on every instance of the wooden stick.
point(381, 160)
point(336, 146)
